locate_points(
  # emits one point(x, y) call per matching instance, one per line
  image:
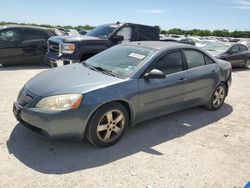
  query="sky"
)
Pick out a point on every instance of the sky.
point(185, 14)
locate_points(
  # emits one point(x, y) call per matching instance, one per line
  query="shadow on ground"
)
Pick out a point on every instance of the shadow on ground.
point(239, 69)
point(61, 157)
point(23, 67)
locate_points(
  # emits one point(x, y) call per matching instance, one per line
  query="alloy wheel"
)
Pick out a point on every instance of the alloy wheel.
point(218, 96)
point(111, 125)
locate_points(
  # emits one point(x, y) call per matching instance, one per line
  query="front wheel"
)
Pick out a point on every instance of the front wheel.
point(45, 60)
point(108, 124)
point(218, 97)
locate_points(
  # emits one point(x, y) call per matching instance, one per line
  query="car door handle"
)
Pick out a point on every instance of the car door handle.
point(213, 71)
point(182, 79)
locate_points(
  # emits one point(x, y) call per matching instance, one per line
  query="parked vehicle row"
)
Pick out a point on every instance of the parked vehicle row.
point(24, 44)
point(28, 45)
point(101, 97)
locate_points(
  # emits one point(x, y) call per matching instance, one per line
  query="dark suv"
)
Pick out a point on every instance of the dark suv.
point(64, 50)
point(24, 44)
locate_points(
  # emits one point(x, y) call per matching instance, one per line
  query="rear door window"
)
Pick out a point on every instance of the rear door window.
point(194, 58)
point(243, 48)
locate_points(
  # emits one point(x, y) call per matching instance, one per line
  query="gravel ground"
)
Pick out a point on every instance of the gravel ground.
point(192, 148)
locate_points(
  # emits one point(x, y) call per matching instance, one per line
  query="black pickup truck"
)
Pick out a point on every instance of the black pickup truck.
point(64, 50)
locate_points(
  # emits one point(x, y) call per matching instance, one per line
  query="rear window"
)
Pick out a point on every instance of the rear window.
point(194, 58)
point(243, 48)
point(209, 60)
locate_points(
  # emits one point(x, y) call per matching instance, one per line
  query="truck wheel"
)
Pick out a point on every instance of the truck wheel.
point(218, 97)
point(108, 124)
point(247, 64)
point(45, 60)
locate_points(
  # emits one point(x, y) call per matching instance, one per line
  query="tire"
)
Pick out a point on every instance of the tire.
point(247, 64)
point(217, 98)
point(45, 60)
point(102, 129)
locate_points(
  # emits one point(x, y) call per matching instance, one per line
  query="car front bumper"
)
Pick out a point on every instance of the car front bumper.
point(70, 124)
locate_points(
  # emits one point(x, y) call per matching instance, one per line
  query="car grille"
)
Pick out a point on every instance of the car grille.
point(54, 47)
point(24, 98)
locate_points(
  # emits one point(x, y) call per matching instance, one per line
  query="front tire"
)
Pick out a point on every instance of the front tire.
point(45, 60)
point(107, 125)
point(218, 97)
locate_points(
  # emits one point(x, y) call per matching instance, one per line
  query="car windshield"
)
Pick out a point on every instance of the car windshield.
point(216, 46)
point(121, 60)
point(103, 31)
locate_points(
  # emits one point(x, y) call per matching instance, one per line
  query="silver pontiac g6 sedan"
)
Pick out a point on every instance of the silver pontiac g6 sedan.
point(120, 87)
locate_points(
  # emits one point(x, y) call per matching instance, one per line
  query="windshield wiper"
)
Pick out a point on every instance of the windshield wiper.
point(100, 69)
point(107, 71)
point(89, 66)
point(211, 50)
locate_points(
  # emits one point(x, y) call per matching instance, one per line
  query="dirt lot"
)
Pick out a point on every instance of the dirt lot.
point(192, 148)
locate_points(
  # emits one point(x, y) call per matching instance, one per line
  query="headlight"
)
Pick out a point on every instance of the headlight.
point(68, 48)
point(60, 102)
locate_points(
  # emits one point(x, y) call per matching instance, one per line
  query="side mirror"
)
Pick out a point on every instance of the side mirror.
point(154, 74)
point(118, 38)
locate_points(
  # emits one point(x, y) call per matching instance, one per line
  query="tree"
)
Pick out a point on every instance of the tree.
point(176, 31)
point(164, 32)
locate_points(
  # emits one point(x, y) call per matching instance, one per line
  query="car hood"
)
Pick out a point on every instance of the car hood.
point(72, 38)
point(74, 78)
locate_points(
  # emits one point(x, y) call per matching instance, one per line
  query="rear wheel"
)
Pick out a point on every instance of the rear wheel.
point(247, 64)
point(108, 124)
point(218, 97)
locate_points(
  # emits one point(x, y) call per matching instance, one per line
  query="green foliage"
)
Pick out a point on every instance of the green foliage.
point(79, 27)
point(84, 27)
point(164, 32)
point(176, 31)
point(219, 33)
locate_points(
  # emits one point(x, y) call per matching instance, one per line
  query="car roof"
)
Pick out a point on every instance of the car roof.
point(24, 26)
point(125, 23)
point(158, 45)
